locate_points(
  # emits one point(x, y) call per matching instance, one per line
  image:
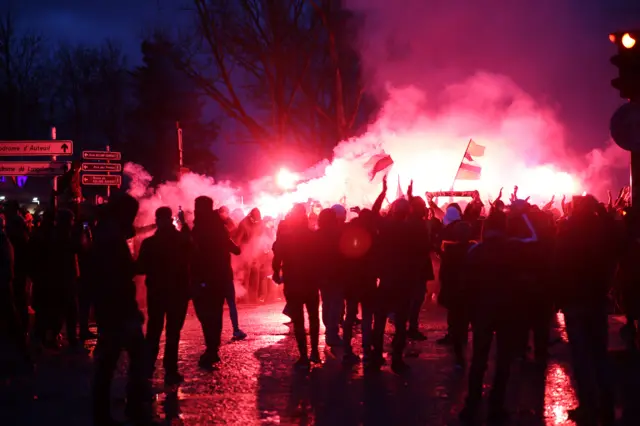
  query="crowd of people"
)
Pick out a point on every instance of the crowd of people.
point(504, 269)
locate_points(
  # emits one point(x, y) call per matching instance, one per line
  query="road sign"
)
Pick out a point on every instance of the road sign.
point(35, 148)
point(33, 168)
point(625, 127)
point(102, 180)
point(102, 155)
point(102, 167)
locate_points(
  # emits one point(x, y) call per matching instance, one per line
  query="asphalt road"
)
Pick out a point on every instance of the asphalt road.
point(256, 384)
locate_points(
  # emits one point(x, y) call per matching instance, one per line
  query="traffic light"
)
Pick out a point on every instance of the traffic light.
point(628, 62)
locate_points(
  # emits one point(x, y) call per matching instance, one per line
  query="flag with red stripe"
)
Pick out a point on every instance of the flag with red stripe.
point(378, 163)
point(469, 169)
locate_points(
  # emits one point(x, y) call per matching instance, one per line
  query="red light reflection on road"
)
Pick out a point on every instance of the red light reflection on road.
point(562, 327)
point(559, 396)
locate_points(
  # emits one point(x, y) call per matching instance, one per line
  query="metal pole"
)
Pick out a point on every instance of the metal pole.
point(108, 187)
point(180, 159)
point(55, 178)
point(634, 178)
point(458, 170)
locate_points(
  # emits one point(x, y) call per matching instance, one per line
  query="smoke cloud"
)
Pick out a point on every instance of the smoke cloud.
point(530, 81)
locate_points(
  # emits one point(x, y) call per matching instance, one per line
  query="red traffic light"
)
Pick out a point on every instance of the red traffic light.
point(625, 40)
point(627, 61)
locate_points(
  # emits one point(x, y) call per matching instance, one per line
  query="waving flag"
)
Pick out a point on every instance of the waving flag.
point(474, 149)
point(378, 163)
point(469, 169)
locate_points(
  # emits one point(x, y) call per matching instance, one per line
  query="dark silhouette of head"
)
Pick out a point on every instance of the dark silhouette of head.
point(327, 219)
point(164, 218)
point(255, 215)
point(224, 212)
point(123, 209)
point(64, 219)
point(495, 225)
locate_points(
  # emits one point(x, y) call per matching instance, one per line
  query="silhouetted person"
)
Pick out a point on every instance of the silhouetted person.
point(84, 233)
point(10, 324)
point(418, 217)
point(43, 298)
point(331, 273)
point(356, 245)
point(164, 258)
point(495, 303)
point(119, 319)
point(294, 266)
point(249, 230)
point(18, 233)
point(400, 250)
point(63, 272)
point(211, 274)
point(586, 256)
point(452, 295)
point(69, 191)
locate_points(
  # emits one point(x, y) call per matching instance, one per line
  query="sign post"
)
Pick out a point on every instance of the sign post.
point(108, 187)
point(55, 178)
point(106, 167)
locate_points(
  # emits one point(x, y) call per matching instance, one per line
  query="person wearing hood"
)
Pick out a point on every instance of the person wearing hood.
point(452, 295)
point(452, 217)
point(119, 319)
point(164, 258)
point(211, 274)
point(247, 236)
point(294, 265)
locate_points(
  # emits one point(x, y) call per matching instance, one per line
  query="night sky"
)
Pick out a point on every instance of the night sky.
point(581, 92)
point(91, 22)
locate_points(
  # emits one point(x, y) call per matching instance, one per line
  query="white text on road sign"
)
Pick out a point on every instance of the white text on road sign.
point(35, 148)
point(101, 155)
point(102, 180)
point(33, 168)
point(102, 167)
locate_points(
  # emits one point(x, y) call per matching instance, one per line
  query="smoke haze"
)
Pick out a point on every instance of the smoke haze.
point(528, 80)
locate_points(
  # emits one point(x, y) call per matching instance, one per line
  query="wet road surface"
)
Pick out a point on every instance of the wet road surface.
point(256, 384)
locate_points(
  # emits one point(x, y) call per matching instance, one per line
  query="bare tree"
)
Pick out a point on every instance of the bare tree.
point(90, 94)
point(275, 67)
point(339, 88)
point(22, 75)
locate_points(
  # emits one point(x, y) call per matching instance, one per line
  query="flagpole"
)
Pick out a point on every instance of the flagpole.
point(455, 177)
